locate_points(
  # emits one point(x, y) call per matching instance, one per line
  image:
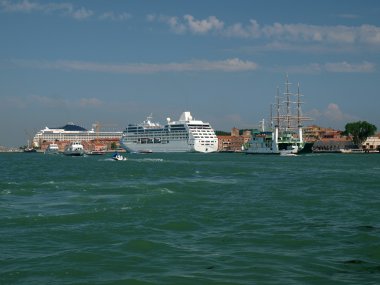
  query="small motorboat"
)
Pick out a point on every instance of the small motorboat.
point(74, 149)
point(52, 149)
point(119, 157)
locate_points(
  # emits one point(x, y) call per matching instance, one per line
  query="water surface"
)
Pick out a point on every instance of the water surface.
point(190, 219)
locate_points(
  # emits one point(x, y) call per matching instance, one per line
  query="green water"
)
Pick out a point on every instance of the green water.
point(190, 219)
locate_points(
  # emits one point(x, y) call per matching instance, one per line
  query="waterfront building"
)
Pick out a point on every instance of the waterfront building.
point(314, 133)
point(372, 143)
point(234, 142)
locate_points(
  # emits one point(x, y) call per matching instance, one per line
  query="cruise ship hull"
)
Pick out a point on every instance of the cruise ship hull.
point(174, 146)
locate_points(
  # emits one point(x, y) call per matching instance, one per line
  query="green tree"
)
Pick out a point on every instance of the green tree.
point(113, 145)
point(359, 131)
point(222, 133)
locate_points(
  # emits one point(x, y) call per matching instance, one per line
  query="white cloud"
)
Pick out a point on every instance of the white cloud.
point(369, 34)
point(49, 102)
point(332, 116)
point(203, 26)
point(334, 113)
point(81, 14)
point(22, 6)
point(64, 8)
point(115, 16)
point(228, 65)
point(239, 31)
point(151, 17)
point(336, 67)
point(327, 34)
point(281, 46)
point(90, 102)
point(288, 33)
point(173, 22)
point(348, 67)
point(188, 23)
point(311, 33)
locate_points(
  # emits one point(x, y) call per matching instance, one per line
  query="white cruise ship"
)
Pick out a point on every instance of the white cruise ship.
point(71, 133)
point(184, 135)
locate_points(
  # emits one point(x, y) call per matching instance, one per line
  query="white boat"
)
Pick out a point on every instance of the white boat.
point(96, 152)
point(52, 149)
point(118, 157)
point(286, 134)
point(287, 153)
point(74, 149)
point(29, 149)
point(184, 135)
point(352, 150)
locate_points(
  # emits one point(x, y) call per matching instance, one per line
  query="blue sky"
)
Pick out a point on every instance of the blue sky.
point(116, 62)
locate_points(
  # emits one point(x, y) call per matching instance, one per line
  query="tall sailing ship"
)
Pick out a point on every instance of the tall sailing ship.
point(184, 135)
point(286, 133)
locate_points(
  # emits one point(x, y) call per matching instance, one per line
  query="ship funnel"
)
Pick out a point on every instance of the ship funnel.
point(185, 117)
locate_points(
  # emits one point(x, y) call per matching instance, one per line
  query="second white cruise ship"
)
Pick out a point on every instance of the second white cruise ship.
point(184, 135)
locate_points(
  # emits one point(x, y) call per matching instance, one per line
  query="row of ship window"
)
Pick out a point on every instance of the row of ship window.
point(65, 137)
point(203, 137)
point(156, 132)
point(155, 140)
point(133, 138)
point(150, 141)
point(161, 139)
point(207, 143)
point(177, 128)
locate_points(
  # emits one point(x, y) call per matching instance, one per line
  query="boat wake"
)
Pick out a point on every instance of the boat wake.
point(149, 160)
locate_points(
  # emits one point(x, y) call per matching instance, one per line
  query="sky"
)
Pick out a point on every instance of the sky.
point(116, 62)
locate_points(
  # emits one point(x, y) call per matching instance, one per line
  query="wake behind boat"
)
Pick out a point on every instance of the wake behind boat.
point(184, 135)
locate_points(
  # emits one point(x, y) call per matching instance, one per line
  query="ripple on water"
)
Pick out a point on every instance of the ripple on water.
point(190, 218)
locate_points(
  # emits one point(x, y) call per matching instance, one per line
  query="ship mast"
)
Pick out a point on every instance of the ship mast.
point(299, 122)
point(288, 110)
point(271, 116)
point(298, 107)
point(278, 109)
point(277, 125)
point(287, 119)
